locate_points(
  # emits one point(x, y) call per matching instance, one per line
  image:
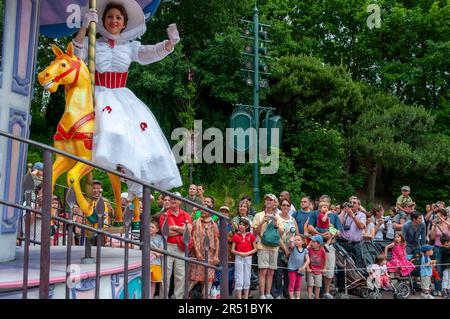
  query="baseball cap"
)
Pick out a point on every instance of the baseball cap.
point(96, 181)
point(38, 166)
point(225, 208)
point(177, 194)
point(317, 238)
point(124, 195)
point(426, 248)
point(272, 196)
point(406, 188)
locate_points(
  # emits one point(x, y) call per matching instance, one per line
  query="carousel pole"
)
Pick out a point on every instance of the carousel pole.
point(91, 65)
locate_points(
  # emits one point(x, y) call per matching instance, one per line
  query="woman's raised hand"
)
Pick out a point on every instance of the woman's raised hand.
point(90, 16)
point(172, 32)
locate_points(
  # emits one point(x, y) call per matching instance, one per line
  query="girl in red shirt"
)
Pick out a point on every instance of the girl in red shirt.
point(243, 247)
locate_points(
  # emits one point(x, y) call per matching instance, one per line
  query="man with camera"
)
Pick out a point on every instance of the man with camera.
point(267, 255)
point(353, 222)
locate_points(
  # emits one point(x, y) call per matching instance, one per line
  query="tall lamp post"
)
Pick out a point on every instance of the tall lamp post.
point(255, 31)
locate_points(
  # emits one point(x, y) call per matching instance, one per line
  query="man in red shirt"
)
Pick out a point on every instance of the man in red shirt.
point(177, 219)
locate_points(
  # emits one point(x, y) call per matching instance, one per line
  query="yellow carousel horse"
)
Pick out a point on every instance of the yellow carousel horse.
point(75, 130)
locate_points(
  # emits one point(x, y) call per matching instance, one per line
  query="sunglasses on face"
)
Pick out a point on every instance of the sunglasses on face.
point(286, 205)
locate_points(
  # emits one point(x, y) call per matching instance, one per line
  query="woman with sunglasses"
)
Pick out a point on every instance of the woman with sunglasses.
point(288, 228)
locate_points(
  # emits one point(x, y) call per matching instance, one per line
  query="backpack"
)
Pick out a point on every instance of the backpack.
point(271, 236)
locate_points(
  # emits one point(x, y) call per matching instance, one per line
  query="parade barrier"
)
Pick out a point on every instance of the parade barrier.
point(42, 246)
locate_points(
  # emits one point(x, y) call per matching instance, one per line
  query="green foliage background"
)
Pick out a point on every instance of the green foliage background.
point(359, 104)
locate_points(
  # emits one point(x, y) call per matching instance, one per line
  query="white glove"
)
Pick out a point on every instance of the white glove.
point(90, 16)
point(173, 34)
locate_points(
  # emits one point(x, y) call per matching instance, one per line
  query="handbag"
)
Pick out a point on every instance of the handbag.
point(271, 236)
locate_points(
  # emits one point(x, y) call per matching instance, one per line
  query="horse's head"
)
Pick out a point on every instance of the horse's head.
point(64, 70)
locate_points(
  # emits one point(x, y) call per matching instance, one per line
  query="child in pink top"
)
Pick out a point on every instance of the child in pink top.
point(399, 262)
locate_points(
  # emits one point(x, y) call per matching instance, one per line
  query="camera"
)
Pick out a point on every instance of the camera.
point(347, 205)
point(346, 227)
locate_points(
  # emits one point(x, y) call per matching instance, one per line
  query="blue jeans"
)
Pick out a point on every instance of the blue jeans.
point(437, 257)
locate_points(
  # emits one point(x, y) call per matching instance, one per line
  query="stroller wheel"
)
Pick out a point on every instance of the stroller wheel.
point(343, 296)
point(403, 290)
point(374, 295)
point(364, 292)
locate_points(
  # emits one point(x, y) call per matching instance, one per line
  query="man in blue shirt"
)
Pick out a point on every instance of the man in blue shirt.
point(414, 233)
point(328, 275)
point(302, 216)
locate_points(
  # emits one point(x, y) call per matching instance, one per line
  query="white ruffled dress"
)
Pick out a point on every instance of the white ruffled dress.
point(126, 132)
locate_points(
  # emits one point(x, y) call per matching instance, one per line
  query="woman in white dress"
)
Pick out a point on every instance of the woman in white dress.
point(127, 135)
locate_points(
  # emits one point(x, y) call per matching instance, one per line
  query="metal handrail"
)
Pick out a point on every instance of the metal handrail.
point(144, 242)
point(105, 233)
point(106, 169)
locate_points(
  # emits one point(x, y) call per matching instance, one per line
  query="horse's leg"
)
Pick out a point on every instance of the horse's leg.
point(77, 173)
point(60, 166)
point(116, 186)
point(136, 225)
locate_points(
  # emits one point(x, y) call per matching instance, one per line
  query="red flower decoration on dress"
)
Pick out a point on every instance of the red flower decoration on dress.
point(144, 126)
point(108, 109)
point(111, 43)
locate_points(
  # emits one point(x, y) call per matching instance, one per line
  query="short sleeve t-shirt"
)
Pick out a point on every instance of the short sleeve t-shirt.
point(425, 271)
point(323, 224)
point(301, 217)
point(317, 260)
point(156, 242)
point(404, 200)
point(244, 244)
point(258, 221)
point(287, 228)
point(180, 220)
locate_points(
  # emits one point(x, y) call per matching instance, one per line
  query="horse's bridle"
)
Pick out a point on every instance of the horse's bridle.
point(74, 65)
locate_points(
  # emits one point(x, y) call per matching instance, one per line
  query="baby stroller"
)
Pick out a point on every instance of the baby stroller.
point(402, 287)
point(355, 279)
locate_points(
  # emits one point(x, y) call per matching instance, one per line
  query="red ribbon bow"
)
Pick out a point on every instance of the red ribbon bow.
point(111, 43)
point(108, 109)
point(144, 126)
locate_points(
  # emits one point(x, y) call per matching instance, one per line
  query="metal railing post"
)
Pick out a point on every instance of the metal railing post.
point(26, 249)
point(44, 275)
point(145, 219)
point(206, 251)
point(100, 209)
point(223, 250)
point(186, 239)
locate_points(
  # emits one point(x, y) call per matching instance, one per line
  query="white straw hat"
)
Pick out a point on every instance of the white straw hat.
point(136, 20)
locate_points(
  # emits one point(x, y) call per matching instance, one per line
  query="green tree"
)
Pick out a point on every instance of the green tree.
point(397, 137)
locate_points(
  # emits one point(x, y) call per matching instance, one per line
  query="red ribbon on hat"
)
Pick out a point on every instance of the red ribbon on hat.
point(144, 126)
point(108, 109)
